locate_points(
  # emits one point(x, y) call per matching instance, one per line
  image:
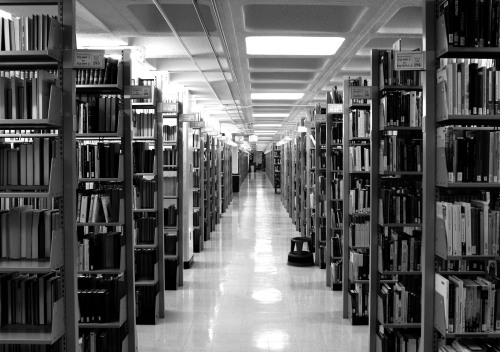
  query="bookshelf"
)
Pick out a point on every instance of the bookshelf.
point(39, 125)
point(321, 200)
point(462, 182)
point(198, 185)
point(356, 207)
point(207, 177)
point(396, 221)
point(334, 180)
point(276, 170)
point(104, 207)
point(186, 188)
point(300, 179)
point(147, 130)
point(239, 165)
point(172, 238)
point(310, 172)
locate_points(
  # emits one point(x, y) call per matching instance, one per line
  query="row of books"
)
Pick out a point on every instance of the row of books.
point(145, 260)
point(471, 86)
point(170, 216)
point(358, 82)
point(336, 219)
point(27, 164)
point(336, 245)
point(144, 123)
point(99, 205)
point(322, 159)
point(33, 32)
point(145, 229)
point(400, 205)
point(359, 124)
point(390, 76)
point(28, 298)
point(337, 132)
point(101, 340)
point(337, 160)
point(56, 347)
point(99, 160)
point(145, 297)
point(359, 300)
point(471, 23)
point(337, 187)
point(359, 196)
point(464, 265)
point(169, 133)
point(196, 140)
point(400, 303)
point(170, 185)
point(336, 267)
point(470, 305)
point(401, 109)
point(99, 251)
point(196, 198)
point(400, 251)
point(36, 203)
point(399, 153)
point(144, 157)
point(399, 340)
point(26, 233)
point(359, 231)
point(144, 193)
point(196, 158)
point(98, 113)
point(170, 156)
point(148, 82)
point(469, 228)
point(359, 265)
point(99, 298)
point(196, 178)
point(196, 218)
point(466, 345)
point(26, 98)
point(107, 75)
point(359, 158)
point(470, 155)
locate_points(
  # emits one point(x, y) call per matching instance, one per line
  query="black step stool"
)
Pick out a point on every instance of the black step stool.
point(299, 257)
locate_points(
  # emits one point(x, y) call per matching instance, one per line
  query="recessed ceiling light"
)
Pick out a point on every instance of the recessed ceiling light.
point(271, 115)
point(276, 96)
point(293, 45)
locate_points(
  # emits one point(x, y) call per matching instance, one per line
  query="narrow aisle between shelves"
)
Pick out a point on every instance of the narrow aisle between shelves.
point(240, 294)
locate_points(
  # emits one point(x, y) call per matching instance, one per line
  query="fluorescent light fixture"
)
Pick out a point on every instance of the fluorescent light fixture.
point(266, 131)
point(271, 115)
point(276, 96)
point(293, 45)
point(268, 125)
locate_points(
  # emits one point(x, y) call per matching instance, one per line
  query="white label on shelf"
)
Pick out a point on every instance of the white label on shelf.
point(187, 117)
point(320, 118)
point(363, 92)
point(335, 108)
point(197, 124)
point(409, 60)
point(88, 59)
point(309, 124)
point(168, 108)
point(141, 92)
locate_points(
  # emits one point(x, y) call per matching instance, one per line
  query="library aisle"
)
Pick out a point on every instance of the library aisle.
point(241, 295)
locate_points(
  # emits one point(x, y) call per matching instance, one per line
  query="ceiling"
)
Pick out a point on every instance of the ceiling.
point(202, 46)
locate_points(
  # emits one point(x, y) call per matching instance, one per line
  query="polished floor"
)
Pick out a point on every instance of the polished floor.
point(241, 295)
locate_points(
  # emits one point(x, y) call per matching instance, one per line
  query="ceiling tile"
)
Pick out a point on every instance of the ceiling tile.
point(302, 18)
point(407, 20)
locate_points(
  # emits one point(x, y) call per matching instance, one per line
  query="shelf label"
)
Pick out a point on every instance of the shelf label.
point(363, 92)
point(141, 92)
point(168, 108)
point(187, 118)
point(197, 124)
point(88, 59)
point(335, 108)
point(309, 124)
point(409, 60)
point(321, 118)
